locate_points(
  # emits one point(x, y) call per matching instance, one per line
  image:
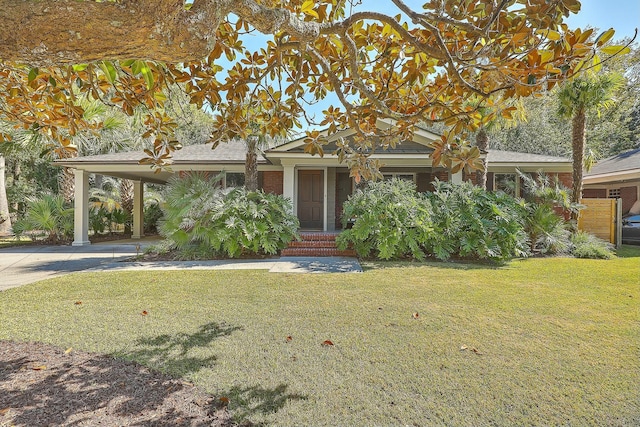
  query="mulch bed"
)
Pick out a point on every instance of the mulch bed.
point(41, 385)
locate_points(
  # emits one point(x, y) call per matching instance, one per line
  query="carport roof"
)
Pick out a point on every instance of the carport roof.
point(233, 152)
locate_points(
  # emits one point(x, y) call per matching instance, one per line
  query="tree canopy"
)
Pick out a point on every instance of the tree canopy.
point(414, 66)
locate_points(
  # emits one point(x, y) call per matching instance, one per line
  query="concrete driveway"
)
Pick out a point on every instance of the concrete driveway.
point(21, 265)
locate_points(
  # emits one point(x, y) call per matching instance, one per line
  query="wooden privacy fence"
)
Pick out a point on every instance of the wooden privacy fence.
point(601, 217)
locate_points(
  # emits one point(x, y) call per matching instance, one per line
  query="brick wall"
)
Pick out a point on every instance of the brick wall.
point(594, 193)
point(442, 175)
point(272, 181)
point(629, 195)
point(566, 178)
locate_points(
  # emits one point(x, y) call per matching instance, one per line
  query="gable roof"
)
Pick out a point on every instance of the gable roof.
point(500, 156)
point(422, 137)
point(627, 161)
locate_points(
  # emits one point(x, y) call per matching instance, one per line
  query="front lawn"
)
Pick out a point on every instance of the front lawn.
point(536, 342)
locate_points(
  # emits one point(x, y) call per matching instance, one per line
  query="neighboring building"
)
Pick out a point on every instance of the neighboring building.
point(318, 186)
point(615, 177)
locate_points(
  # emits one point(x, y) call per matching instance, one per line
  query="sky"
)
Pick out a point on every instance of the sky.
point(622, 15)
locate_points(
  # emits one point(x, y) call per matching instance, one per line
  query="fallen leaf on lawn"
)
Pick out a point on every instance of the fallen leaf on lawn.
point(78, 302)
point(69, 350)
point(144, 313)
point(327, 343)
point(224, 401)
point(4, 411)
point(38, 368)
point(463, 347)
point(416, 315)
point(289, 338)
point(476, 351)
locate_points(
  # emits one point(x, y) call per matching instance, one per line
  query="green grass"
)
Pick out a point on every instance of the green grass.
point(6, 242)
point(559, 339)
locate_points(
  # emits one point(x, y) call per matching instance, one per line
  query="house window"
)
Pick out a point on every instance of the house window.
point(234, 179)
point(404, 176)
point(505, 182)
point(613, 193)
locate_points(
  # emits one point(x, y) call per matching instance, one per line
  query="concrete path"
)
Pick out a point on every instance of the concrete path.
point(21, 265)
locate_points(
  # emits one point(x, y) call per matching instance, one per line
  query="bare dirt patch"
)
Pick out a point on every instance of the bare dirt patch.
point(41, 385)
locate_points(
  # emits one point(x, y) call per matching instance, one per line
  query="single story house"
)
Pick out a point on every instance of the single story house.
point(317, 186)
point(617, 177)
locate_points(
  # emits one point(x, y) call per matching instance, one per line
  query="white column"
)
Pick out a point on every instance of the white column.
point(288, 185)
point(81, 209)
point(455, 178)
point(138, 210)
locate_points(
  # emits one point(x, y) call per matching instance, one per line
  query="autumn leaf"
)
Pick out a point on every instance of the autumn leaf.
point(327, 343)
point(289, 338)
point(144, 313)
point(463, 347)
point(4, 411)
point(69, 350)
point(416, 315)
point(224, 401)
point(39, 368)
point(476, 351)
point(78, 302)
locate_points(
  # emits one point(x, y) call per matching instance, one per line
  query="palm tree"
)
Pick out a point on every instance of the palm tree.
point(491, 120)
point(5, 220)
point(576, 98)
point(10, 141)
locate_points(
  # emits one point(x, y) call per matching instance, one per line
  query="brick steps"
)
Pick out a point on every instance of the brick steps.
point(316, 244)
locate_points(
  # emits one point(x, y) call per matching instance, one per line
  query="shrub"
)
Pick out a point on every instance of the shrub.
point(203, 220)
point(47, 219)
point(473, 223)
point(548, 232)
point(587, 245)
point(152, 215)
point(390, 219)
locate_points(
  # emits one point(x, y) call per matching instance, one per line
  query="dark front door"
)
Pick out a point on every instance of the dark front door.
point(311, 199)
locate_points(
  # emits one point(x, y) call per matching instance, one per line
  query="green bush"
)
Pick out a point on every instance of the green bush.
point(48, 219)
point(390, 219)
point(204, 220)
point(547, 229)
point(587, 245)
point(152, 215)
point(473, 223)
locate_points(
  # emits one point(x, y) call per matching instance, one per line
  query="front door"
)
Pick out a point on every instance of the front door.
point(311, 199)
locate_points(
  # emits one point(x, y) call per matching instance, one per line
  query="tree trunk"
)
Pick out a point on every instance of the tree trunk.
point(67, 184)
point(5, 219)
point(17, 171)
point(126, 200)
point(578, 143)
point(251, 164)
point(482, 142)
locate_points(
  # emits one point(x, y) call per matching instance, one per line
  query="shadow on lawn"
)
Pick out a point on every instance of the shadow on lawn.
point(174, 354)
point(453, 265)
point(246, 402)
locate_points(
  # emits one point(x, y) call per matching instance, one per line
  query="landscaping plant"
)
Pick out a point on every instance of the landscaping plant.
point(585, 245)
point(390, 220)
point(547, 202)
point(203, 220)
point(474, 223)
point(48, 219)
